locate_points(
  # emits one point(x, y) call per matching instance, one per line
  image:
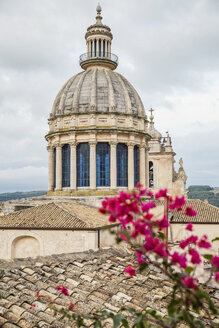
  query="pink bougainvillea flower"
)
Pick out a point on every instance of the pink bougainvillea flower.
point(195, 257)
point(123, 237)
point(37, 293)
point(163, 223)
point(148, 216)
point(65, 291)
point(150, 193)
point(190, 282)
point(190, 240)
point(216, 275)
point(139, 257)
point(150, 243)
point(190, 211)
point(71, 307)
point(189, 227)
point(178, 203)
point(147, 206)
point(32, 307)
point(204, 243)
point(161, 250)
point(161, 193)
point(130, 270)
point(180, 259)
point(215, 261)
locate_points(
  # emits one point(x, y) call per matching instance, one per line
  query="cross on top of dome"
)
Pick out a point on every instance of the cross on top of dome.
point(98, 40)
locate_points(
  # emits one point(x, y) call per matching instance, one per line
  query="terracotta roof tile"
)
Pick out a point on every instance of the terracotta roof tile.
point(94, 279)
point(66, 215)
point(206, 213)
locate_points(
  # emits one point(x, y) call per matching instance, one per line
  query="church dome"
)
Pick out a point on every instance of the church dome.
point(98, 90)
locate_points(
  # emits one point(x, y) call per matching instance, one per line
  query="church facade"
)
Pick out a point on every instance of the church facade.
point(100, 138)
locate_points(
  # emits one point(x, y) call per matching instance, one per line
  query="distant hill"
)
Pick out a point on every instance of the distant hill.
point(203, 193)
point(18, 195)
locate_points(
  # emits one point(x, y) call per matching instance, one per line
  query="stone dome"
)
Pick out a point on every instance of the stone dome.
point(98, 90)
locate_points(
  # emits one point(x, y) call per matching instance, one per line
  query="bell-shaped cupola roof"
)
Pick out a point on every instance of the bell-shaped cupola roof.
point(98, 40)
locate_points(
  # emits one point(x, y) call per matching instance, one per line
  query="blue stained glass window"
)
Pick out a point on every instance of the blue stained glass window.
point(122, 165)
point(136, 165)
point(83, 165)
point(66, 166)
point(54, 167)
point(104, 46)
point(103, 164)
point(99, 48)
point(151, 174)
point(95, 48)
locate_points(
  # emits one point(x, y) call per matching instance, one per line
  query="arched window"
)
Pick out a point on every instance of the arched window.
point(122, 165)
point(54, 167)
point(151, 174)
point(103, 164)
point(104, 46)
point(136, 165)
point(91, 49)
point(99, 48)
point(83, 165)
point(95, 48)
point(25, 246)
point(66, 166)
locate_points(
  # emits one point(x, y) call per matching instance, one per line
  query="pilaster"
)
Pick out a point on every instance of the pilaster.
point(113, 169)
point(92, 164)
point(130, 165)
point(58, 167)
point(142, 165)
point(51, 168)
point(73, 172)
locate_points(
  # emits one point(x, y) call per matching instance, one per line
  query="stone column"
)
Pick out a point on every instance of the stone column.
point(142, 165)
point(113, 169)
point(130, 166)
point(92, 164)
point(101, 47)
point(58, 167)
point(97, 48)
point(51, 168)
point(73, 172)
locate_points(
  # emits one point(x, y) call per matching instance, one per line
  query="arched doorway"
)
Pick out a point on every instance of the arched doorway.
point(25, 246)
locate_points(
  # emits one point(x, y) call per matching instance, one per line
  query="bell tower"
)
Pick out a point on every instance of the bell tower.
point(98, 40)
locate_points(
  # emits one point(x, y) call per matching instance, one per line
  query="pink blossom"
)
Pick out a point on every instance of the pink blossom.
point(112, 218)
point(63, 289)
point(147, 206)
point(215, 261)
point(161, 193)
point(190, 211)
point(37, 293)
point(204, 243)
point(71, 306)
point(190, 282)
point(163, 223)
point(180, 259)
point(178, 203)
point(195, 257)
point(32, 307)
point(151, 243)
point(216, 275)
point(189, 227)
point(161, 250)
point(190, 240)
point(123, 237)
point(140, 258)
point(148, 216)
point(150, 193)
point(130, 270)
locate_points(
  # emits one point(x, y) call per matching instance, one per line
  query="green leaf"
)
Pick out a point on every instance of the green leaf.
point(215, 239)
point(208, 257)
point(116, 320)
point(161, 235)
point(97, 324)
point(151, 312)
point(189, 269)
point(125, 323)
point(142, 267)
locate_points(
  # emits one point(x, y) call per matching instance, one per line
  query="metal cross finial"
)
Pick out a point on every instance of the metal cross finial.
point(151, 110)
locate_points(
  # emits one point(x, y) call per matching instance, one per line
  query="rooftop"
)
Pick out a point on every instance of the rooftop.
point(61, 215)
point(94, 280)
point(206, 213)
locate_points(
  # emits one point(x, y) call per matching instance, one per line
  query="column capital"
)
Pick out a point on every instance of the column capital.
point(92, 143)
point(143, 146)
point(50, 148)
point(58, 145)
point(73, 144)
point(131, 144)
point(113, 143)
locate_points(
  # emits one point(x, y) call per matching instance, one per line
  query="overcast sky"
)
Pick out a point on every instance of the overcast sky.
point(168, 50)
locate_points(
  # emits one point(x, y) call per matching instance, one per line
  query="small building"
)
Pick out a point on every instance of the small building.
point(54, 228)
